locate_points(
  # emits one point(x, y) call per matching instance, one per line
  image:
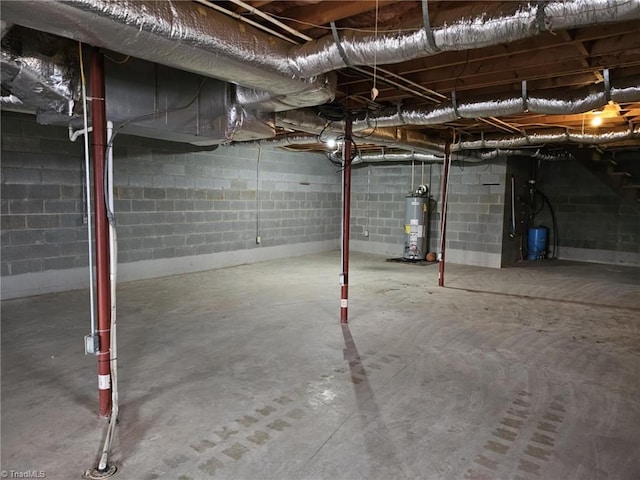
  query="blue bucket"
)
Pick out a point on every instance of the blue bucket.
point(537, 243)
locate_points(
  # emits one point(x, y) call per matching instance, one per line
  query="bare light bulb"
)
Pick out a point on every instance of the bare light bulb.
point(596, 121)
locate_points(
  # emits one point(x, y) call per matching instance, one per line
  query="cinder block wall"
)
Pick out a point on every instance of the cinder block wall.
point(476, 212)
point(594, 224)
point(377, 207)
point(177, 210)
point(513, 248)
point(475, 218)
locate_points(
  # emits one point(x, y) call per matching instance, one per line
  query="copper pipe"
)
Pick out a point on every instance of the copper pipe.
point(346, 219)
point(443, 220)
point(99, 142)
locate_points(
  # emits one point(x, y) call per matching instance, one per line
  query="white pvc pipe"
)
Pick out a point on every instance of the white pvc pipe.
point(87, 179)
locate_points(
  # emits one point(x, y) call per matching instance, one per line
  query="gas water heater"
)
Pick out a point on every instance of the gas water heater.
point(416, 215)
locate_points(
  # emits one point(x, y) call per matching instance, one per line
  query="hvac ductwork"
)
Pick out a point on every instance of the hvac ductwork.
point(307, 121)
point(288, 141)
point(146, 99)
point(482, 157)
point(183, 35)
point(557, 102)
point(358, 48)
point(37, 81)
point(549, 137)
point(397, 158)
point(537, 154)
point(189, 36)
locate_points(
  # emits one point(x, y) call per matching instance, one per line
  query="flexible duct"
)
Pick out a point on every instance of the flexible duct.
point(537, 154)
point(548, 137)
point(358, 48)
point(397, 157)
point(307, 121)
point(288, 140)
point(46, 85)
point(189, 36)
point(557, 102)
point(183, 35)
point(484, 156)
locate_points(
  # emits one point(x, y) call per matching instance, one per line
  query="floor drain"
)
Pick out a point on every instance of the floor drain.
point(96, 475)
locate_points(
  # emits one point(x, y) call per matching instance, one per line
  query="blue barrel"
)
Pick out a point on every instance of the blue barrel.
point(537, 243)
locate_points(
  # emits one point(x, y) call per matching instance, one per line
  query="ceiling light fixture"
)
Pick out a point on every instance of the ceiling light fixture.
point(596, 121)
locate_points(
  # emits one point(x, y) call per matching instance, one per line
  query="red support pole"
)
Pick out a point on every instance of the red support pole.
point(443, 220)
point(346, 219)
point(99, 142)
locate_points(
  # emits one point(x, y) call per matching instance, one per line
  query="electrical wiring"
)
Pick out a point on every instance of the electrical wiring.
point(118, 62)
point(373, 131)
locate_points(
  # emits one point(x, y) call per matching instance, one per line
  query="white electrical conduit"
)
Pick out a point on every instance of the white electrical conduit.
point(103, 464)
point(87, 180)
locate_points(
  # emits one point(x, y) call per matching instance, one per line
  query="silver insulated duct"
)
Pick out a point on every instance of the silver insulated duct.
point(358, 48)
point(41, 73)
point(192, 37)
point(307, 121)
point(555, 102)
point(183, 35)
point(548, 137)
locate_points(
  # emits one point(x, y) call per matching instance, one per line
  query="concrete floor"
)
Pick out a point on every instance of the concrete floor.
point(245, 373)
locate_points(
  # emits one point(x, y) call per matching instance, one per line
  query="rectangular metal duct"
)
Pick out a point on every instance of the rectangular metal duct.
point(175, 105)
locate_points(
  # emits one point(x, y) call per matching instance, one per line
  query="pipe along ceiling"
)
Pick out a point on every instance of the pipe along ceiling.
point(266, 82)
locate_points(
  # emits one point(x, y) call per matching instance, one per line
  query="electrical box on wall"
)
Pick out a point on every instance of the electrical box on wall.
point(91, 345)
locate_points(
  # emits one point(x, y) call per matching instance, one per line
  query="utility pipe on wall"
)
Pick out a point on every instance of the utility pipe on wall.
point(99, 142)
point(443, 220)
point(346, 219)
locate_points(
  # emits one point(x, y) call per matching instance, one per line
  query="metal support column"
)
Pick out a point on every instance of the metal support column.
point(346, 219)
point(443, 219)
point(99, 142)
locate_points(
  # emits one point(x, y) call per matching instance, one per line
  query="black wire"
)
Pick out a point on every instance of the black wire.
point(372, 131)
point(326, 125)
point(464, 67)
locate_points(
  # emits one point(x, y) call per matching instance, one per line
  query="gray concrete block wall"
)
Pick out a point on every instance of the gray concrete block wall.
point(474, 220)
point(377, 203)
point(209, 202)
point(521, 169)
point(475, 213)
point(594, 224)
point(170, 201)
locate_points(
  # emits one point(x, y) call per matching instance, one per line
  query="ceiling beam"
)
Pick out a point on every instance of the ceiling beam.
point(305, 17)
